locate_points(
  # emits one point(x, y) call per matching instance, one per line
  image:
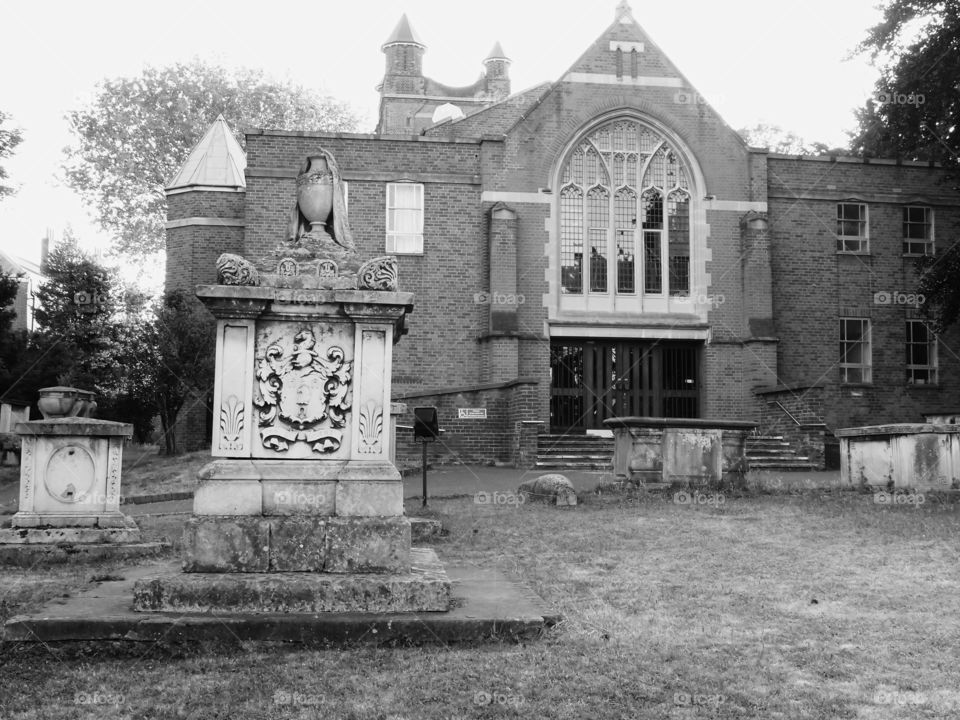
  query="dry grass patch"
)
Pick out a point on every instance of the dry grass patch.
point(822, 605)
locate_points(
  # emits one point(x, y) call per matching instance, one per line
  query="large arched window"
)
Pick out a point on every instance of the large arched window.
point(625, 215)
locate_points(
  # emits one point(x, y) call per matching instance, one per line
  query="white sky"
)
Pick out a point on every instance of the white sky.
point(753, 60)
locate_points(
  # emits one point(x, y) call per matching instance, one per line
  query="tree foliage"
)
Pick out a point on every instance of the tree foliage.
point(784, 142)
point(137, 132)
point(183, 337)
point(9, 139)
point(12, 342)
point(939, 286)
point(915, 110)
point(915, 114)
point(76, 307)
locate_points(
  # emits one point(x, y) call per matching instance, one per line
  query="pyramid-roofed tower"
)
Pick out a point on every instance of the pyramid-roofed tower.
point(497, 53)
point(216, 161)
point(404, 33)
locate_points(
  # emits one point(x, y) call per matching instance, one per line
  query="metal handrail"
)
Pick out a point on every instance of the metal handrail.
point(789, 414)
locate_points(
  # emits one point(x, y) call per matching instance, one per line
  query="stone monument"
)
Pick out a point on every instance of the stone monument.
point(301, 506)
point(69, 477)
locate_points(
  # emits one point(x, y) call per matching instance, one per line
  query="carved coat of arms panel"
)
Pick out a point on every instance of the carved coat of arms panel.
point(303, 389)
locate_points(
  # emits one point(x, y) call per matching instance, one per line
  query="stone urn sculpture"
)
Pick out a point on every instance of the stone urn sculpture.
point(62, 401)
point(315, 195)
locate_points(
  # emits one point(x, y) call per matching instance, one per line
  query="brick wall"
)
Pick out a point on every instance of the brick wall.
point(814, 285)
point(494, 440)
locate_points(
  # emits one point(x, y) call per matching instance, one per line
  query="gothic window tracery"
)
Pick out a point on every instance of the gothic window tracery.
point(625, 214)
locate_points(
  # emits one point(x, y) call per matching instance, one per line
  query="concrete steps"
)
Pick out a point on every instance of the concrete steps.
point(772, 452)
point(579, 452)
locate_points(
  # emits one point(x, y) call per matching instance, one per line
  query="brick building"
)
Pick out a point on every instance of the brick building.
point(605, 245)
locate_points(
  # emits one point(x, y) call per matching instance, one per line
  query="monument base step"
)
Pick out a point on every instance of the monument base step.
point(487, 606)
point(68, 535)
point(31, 555)
point(426, 588)
point(272, 544)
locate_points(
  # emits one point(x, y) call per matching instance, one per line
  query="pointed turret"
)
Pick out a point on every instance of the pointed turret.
point(403, 34)
point(217, 161)
point(496, 54)
point(497, 71)
point(404, 50)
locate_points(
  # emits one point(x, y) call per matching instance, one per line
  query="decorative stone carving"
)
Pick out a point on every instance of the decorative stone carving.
point(114, 462)
point(320, 195)
point(69, 474)
point(371, 427)
point(303, 396)
point(235, 270)
point(378, 274)
point(231, 423)
point(288, 267)
point(26, 469)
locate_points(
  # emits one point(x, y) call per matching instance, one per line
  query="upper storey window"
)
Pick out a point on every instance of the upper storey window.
point(625, 215)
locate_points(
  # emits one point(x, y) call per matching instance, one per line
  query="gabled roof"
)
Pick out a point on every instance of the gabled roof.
point(10, 265)
point(216, 161)
point(495, 119)
point(404, 33)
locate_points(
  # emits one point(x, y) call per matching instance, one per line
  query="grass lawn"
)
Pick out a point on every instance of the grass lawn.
point(814, 605)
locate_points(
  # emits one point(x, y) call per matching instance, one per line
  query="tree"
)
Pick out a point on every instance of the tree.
point(184, 340)
point(138, 131)
point(915, 114)
point(76, 308)
point(12, 343)
point(915, 110)
point(783, 142)
point(9, 139)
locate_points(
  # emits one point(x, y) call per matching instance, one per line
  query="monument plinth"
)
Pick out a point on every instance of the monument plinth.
point(70, 467)
point(301, 479)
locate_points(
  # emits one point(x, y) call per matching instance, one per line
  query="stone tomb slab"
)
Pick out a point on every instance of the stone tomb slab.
point(425, 588)
point(487, 606)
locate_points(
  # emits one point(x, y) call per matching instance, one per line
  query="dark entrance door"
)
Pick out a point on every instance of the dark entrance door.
point(592, 380)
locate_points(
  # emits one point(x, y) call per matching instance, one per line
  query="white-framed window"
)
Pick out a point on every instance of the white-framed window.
point(921, 354)
point(852, 228)
point(855, 352)
point(405, 218)
point(917, 230)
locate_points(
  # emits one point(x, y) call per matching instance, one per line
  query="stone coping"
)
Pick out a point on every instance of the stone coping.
point(481, 387)
point(75, 426)
point(699, 423)
point(897, 429)
point(317, 295)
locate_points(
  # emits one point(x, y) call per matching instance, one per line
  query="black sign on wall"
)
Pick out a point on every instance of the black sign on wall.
point(426, 425)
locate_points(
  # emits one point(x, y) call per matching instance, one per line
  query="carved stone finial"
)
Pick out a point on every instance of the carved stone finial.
point(235, 270)
point(378, 274)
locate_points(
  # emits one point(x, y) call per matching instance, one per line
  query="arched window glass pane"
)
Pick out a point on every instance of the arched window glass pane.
point(625, 211)
point(678, 232)
point(652, 210)
point(571, 240)
point(598, 213)
point(652, 206)
point(632, 178)
point(657, 170)
point(619, 163)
